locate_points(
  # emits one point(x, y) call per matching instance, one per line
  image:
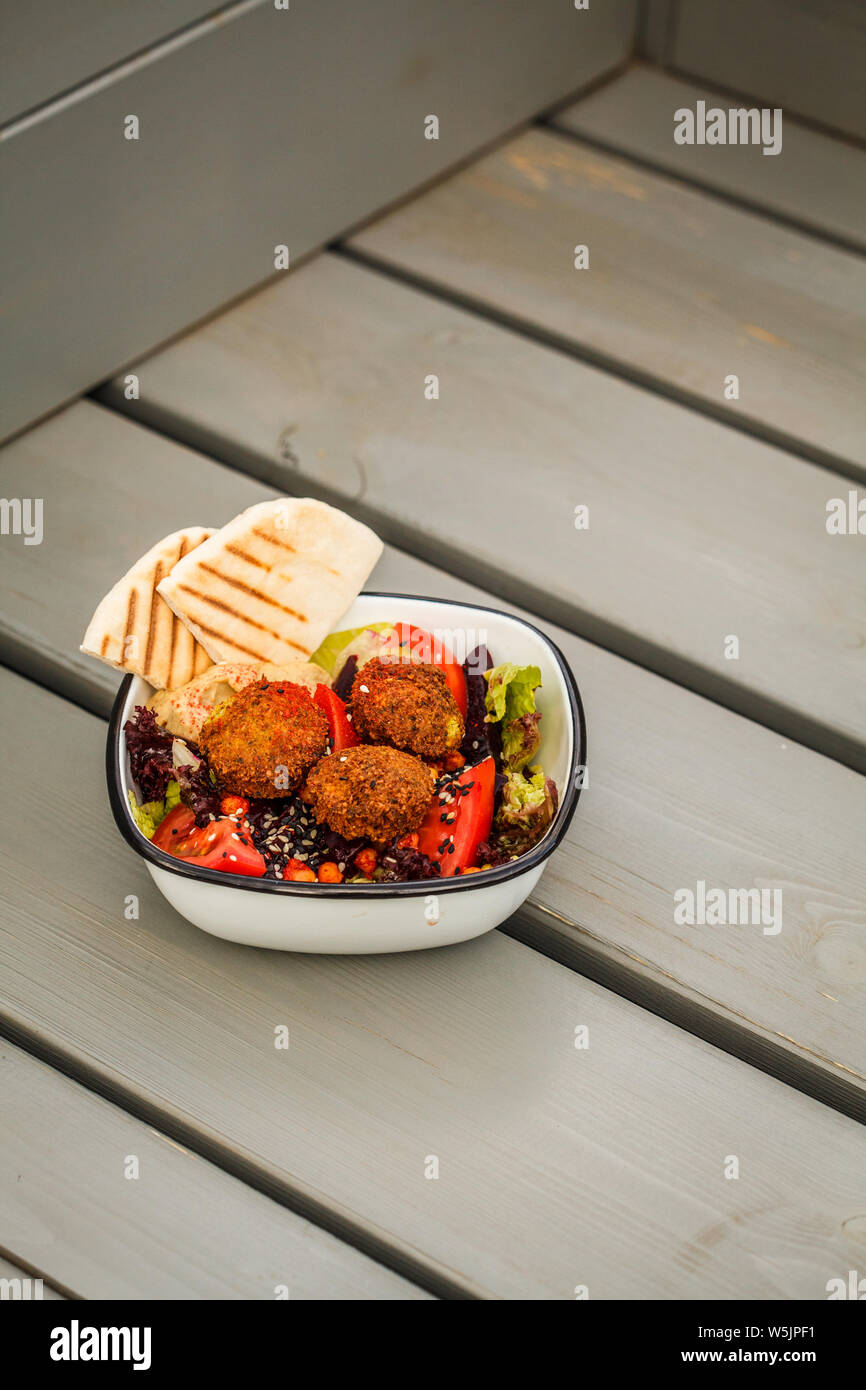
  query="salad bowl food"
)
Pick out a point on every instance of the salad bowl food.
point(297, 910)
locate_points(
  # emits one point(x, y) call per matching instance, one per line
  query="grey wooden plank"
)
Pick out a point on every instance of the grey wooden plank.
point(50, 48)
point(321, 379)
point(257, 131)
point(681, 790)
point(12, 1272)
point(558, 1166)
point(181, 1228)
point(681, 291)
point(815, 181)
point(805, 55)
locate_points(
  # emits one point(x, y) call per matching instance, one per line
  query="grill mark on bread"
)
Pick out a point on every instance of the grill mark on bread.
point(243, 555)
point(227, 608)
point(173, 639)
point(211, 632)
point(105, 641)
point(152, 616)
point(130, 619)
point(272, 539)
point(235, 613)
point(254, 593)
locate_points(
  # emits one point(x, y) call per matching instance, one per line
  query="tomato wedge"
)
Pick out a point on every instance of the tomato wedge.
point(423, 646)
point(222, 844)
point(454, 845)
point(340, 726)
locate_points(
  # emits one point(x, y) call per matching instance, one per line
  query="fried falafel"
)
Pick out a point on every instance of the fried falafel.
point(264, 741)
point(406, 704)
point(370, 792)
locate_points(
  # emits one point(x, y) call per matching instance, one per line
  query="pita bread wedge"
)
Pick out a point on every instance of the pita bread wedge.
point(271, 584)
point(133, 629)
point(183, 711)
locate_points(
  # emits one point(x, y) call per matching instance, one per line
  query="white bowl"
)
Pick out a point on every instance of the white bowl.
point(353, 919)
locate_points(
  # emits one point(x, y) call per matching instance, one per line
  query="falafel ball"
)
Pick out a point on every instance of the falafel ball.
point(406, 704)
point(264, 741)
point(370, 792)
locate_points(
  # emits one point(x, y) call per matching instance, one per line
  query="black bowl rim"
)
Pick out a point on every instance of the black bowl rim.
point(416, 887)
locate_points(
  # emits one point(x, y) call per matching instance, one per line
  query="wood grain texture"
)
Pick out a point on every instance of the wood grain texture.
point(52, 47)
point(680, 789)
point(696, 532)
point(805, 55)
point(558, 1166)
point(181, 1229)
point(260, 130)
point(816, 182)
point(681, 291)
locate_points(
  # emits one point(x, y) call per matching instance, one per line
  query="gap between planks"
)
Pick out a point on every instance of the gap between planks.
point(18, 1266)
point(579, 949)
point(596, 357)
point(642, 982)
point(761, 709)
point(710, 190)
point(387, 1250)
point(845, 137)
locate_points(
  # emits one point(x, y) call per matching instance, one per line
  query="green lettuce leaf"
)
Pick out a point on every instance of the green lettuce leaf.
point(527, 807)
point(521, 740)
point(510, 691)
point(362, 642)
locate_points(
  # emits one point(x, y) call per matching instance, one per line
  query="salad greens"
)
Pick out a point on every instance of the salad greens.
point(152, 813)
point(511, 699)
point(527, 802)
point(361, 642)
point(510, 691)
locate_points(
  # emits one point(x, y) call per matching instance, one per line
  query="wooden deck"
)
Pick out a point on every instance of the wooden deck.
point(558, 388)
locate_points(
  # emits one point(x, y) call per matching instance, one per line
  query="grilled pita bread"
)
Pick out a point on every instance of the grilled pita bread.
point(183, 712)
point(133, 629)
point(271, 584)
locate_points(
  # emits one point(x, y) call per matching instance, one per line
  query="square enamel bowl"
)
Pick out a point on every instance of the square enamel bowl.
point(364, 918)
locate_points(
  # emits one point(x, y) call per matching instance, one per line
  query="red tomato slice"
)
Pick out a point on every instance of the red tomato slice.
point(473, 815)
point(423, 646)
point(222, 844)
point(340, 725)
